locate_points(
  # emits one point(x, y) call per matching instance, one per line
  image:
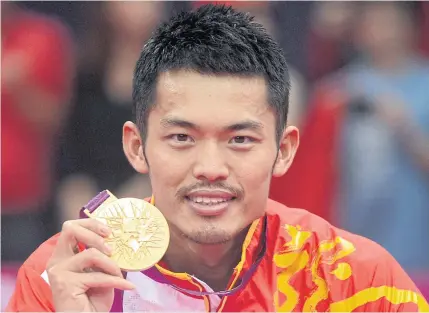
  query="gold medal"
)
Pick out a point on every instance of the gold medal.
point(140, 234)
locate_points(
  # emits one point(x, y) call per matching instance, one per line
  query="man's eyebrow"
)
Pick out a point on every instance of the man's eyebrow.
point(177, 122)
point(244, 125)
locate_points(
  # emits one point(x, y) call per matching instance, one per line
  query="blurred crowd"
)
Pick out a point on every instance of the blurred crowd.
point(360, 96)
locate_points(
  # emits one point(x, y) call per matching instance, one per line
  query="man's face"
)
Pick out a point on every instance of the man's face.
point(211, 150)
point(384, 28)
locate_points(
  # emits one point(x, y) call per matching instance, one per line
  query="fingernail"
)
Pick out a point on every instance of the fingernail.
point(108, 249)
point(106, 231)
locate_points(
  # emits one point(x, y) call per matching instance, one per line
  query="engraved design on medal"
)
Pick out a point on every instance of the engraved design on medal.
point(140, 233)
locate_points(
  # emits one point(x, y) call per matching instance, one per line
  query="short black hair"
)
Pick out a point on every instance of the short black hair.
point(212, 40)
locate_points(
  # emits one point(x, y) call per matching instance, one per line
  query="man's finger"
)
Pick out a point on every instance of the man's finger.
point(102, 280)
point(90, 259)
point(89, 232)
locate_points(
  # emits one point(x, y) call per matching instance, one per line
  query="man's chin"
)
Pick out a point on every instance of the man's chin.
point(207, 237)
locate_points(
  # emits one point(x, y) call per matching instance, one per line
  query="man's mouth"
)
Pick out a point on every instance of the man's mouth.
point(208, 200)
point(209, 203)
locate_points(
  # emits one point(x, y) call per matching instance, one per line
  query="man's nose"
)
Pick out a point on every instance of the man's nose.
point(211, 163)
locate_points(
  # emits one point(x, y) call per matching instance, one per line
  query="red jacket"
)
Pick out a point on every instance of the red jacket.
point(308, 265)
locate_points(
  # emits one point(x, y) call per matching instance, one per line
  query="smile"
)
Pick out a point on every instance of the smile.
point(209, 203)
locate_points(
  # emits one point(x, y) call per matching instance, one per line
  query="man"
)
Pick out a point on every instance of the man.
point(211, 95)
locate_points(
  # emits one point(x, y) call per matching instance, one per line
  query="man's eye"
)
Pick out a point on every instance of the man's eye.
point(181, 137)
point(241, 140)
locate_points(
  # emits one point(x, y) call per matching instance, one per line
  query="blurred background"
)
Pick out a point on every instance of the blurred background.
point(360, 96)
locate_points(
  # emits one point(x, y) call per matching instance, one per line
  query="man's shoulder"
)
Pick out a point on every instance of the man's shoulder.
point(319, 234)
point(357, 272)
point(32, 292)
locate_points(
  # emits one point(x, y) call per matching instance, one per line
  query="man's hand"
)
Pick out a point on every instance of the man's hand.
point(84, 281)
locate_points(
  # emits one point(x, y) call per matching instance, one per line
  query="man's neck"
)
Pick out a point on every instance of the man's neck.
point(213, 264)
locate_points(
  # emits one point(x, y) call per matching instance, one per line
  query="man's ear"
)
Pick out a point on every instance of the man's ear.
point(133, 147)
point(289, 142)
